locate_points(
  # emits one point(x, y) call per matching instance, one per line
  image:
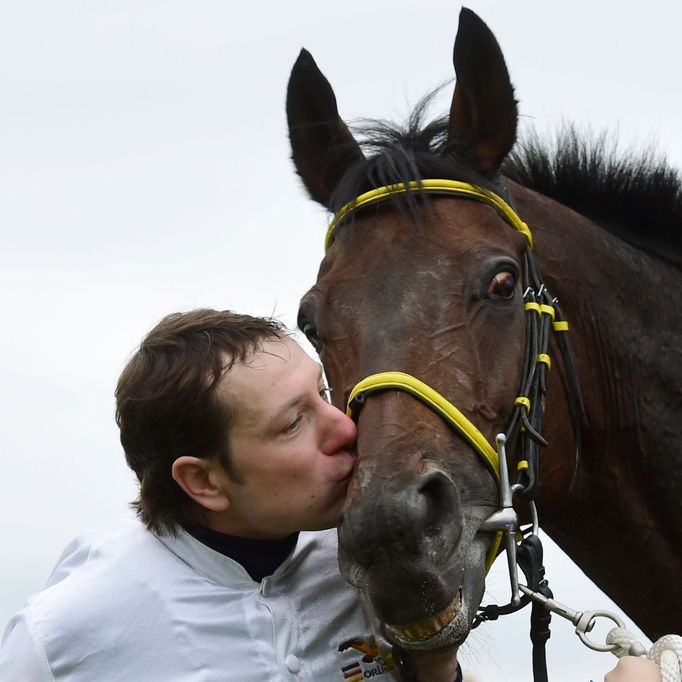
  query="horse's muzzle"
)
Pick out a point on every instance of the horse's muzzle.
point(408, 521)
point(397, 545)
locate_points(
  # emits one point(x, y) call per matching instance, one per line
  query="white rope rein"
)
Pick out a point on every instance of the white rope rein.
point(666, 652)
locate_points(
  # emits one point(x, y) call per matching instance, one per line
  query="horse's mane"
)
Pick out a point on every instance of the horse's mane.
point(635, 195)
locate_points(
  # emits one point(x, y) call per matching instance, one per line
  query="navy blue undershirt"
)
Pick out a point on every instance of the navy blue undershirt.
point(259, 558)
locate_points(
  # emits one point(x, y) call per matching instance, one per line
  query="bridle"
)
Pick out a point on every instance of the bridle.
point(524, 427)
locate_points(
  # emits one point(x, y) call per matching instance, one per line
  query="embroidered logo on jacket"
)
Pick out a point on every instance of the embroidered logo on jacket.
point(373, 662)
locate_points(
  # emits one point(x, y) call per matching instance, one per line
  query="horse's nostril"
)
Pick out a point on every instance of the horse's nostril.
point(438, 492)
point(418, 520)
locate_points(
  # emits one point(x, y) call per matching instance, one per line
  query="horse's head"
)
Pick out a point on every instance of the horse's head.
point(429, 286)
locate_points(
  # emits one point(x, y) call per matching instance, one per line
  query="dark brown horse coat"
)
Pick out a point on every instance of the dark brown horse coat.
point(423, 287)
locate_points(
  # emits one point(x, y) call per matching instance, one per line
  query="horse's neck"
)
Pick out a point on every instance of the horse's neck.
point(622, 520)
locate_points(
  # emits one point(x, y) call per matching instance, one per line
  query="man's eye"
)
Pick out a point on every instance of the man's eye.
point(326, 393)
point(293, 426)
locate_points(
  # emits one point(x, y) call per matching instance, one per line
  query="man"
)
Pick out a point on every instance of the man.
point(242, 464)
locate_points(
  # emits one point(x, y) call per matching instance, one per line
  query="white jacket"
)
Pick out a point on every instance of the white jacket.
point(124, 604)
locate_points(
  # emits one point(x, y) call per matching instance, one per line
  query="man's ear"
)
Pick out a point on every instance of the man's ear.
point(200, 480)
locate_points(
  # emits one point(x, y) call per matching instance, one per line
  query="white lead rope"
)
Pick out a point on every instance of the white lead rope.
point(666, 652)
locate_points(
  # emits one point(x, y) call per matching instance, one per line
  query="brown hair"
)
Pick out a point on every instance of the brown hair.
point(166, 403)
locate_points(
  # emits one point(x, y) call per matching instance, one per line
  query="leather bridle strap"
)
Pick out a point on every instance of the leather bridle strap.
point(526, 418)
point(543, 316)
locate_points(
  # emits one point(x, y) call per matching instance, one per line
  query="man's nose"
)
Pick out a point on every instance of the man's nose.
point(341, 430)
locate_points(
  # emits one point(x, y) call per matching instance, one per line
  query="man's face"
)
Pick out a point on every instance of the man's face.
point(291, 451)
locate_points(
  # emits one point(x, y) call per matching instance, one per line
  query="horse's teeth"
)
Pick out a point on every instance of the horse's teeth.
point(430, 626)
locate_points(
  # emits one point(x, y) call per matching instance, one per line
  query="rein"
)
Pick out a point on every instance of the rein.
point(524, 428)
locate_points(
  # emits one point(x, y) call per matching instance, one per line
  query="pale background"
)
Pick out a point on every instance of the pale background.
point(144, 168)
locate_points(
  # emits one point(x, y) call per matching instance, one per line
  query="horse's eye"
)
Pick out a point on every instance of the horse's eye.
point(502, 285)
point(311, 334)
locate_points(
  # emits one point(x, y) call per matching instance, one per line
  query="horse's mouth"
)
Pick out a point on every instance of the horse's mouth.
point(415, 635)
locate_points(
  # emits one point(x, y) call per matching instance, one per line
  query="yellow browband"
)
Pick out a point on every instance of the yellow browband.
point(431, 187)
point(442, 406)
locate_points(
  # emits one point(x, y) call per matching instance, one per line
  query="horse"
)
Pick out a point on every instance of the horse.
point(427, 279)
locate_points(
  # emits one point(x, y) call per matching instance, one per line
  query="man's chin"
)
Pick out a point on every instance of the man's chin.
point(325, 522)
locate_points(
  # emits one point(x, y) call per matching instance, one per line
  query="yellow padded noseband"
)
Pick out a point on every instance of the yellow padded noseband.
point(405, 382)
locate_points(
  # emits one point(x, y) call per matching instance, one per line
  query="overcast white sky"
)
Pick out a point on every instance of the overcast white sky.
point(144, 168)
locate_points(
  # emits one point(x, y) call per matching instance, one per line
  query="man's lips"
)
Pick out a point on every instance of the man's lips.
point(346, 461)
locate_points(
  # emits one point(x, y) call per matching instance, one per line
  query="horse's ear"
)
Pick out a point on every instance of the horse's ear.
point(321, 144)
point(483, 114)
